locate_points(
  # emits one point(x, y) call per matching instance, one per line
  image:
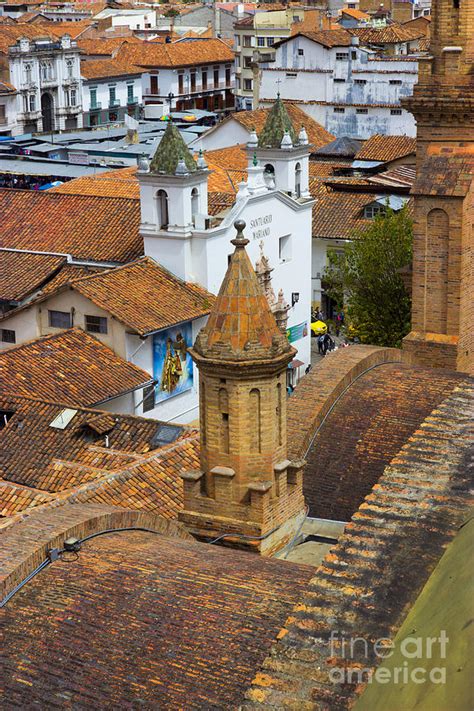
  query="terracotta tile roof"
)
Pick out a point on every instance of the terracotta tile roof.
point(173, 623)
point(15, 498)
point(241, 326)
point(387, 148)
point(148, 483)
point(68, 273)
point(10, 34)
point(402, 175)
point(233, 157)
point(327, 38)
point(6, 88)
point(22, 273)
point(317, 135)
point(94, 228)
point(145, 296)
point(70, 367)
point(370, 423)
point(337, 214)
point(324, 169)
point(391, 34)
point(103, 68)
point(106, 47)
point(39, 456)
point(445, 174)
point(369, 580)
point(177, 54)
point(219, 202)
point(118, 183)
point(356, 14)
point(73, 29)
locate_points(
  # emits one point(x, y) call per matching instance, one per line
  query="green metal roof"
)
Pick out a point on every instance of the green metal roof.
point(171, 149)
point(278, 121)
point(445, 604)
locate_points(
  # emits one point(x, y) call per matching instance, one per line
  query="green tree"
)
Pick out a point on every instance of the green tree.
point(376, 301)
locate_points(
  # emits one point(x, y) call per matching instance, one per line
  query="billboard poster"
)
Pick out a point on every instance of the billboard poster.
point(294, 333)
point(172, 364)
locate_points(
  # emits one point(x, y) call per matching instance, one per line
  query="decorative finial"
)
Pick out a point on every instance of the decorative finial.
point(181, 168)
point(239, 240)
point(255, 160)
point(253, 139)
point(143, 164)
point(303, 137)
point(201, 163)
point(286, 142)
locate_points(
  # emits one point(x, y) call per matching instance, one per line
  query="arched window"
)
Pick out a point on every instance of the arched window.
point(224, 423)
point(70, 68)
point(28, 73)
point(194, 202)
point(436, 265)
point(162, 209)
point(255, 421)
point(269, 175)
point(298, 180)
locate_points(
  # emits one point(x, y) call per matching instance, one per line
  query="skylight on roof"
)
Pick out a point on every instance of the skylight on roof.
point(62, 420)
point(165, 434)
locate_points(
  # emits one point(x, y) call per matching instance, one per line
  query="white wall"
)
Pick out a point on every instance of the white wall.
point(57, 86)
point(210, 250)
point(168, 80)
point(323, 85)
point(228, 133)
point(103, 85)
point(182, 408)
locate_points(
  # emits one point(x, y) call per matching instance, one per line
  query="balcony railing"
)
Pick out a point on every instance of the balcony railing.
point(96, 106)
point(132, 100)
point(114, 103)
point(149, 92)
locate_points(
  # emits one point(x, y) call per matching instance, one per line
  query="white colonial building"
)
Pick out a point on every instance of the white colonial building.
point(275, 204)
point(347, 88)
point(46, 74)
point(111, 90)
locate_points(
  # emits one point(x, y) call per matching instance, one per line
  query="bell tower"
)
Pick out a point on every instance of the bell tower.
point(443, 274)
point(246, 489)
point(173, 202)
point(283, 152)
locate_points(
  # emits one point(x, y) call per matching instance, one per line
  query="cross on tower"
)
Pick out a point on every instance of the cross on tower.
point(278, 82)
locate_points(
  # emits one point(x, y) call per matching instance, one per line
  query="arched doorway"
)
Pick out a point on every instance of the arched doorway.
point(47, 112)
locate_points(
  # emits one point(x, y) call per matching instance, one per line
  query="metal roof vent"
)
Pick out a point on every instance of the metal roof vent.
point(165, 434)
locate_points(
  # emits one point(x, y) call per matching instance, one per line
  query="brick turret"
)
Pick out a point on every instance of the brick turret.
point(246, 487)
point(443, 276)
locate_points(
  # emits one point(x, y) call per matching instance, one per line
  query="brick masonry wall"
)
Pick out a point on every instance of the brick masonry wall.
point(466, 318)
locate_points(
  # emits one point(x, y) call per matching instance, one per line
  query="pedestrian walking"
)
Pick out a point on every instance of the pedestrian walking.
point(320, 344)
